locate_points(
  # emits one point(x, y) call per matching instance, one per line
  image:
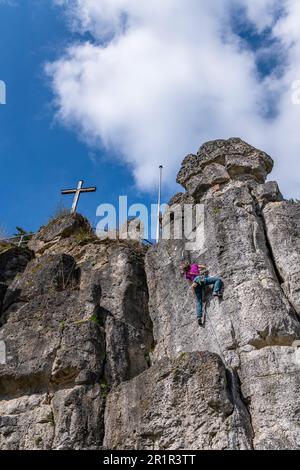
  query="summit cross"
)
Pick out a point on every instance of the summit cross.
point(77, 192)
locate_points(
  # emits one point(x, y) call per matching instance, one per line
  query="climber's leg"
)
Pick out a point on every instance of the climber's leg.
point(217, 283)
point(198, 292)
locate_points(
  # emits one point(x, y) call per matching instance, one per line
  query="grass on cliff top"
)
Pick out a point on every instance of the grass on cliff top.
point(4, 246)
point(86, 235)
point(137, 246)
point(83, 235)
point(59, 211)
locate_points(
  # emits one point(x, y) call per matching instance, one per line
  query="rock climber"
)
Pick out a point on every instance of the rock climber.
point(198, 276)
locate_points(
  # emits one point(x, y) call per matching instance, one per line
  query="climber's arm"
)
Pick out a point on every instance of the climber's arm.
point(203, 268)
point(194, 285)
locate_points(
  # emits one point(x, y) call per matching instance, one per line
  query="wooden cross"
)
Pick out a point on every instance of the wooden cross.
point(77, 193)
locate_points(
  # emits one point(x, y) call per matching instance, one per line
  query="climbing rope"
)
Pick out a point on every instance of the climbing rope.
point(235, 436)
point(187, 300)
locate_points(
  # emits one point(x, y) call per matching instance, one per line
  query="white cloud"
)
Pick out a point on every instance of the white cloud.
point(163, 77)
point(9, 3)
point(262, 13)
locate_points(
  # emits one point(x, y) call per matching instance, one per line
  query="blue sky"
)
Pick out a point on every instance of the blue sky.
point(117, 99)
point(38, 156)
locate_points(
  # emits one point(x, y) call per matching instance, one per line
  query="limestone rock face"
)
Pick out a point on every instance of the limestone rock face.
point(235, 248)
point(140, 414)
point(49, 274)
point(74, 325)
point(221, 160)
point(3, 289)
point(63, 230)
point(270, 380)
point(99, 343)
point(282, 221)
point(268, 192)
point(250, 237)
point(13, 261)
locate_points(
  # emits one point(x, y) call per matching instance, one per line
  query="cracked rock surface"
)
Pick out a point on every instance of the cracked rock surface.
point(75, 323)
point(103, 349)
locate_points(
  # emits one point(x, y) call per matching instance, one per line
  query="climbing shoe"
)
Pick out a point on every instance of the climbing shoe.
point(217, 294)
point(200, 321)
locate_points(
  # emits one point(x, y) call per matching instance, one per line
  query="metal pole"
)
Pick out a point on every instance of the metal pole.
point(76, 197)
point(159, 204)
